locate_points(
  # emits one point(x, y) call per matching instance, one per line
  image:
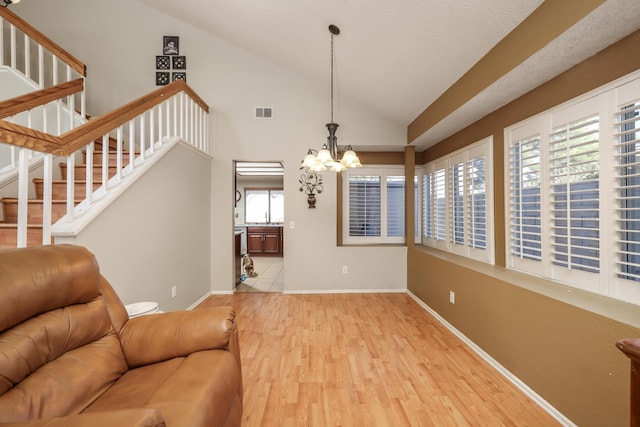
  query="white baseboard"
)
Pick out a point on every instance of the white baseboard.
point(497, 366)
point(343, 291)
point(205, 296)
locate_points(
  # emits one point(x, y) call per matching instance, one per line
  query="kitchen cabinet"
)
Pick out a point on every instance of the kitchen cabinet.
point(264, 240)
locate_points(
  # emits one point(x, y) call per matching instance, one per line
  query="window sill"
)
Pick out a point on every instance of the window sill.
point(620, 311)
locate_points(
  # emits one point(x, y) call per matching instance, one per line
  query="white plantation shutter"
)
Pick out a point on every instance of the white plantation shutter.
point(575, 209)
point(477, 202)
point(525, 232)
point(364, 206)
point(627, 192)
point(395, 206)
point(427, 205)
point(456, 203)
point(374, 205)
point(440, 205)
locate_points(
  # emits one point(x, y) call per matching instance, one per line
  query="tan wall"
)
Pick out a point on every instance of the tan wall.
point(564, 353)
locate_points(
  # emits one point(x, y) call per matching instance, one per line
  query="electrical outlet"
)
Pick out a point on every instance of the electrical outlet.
point(174, 290)
point(345, 269)
point(452, 297)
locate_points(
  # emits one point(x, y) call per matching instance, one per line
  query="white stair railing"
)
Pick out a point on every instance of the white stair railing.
point(40, 63)
point(139, 129)
point(179, 116)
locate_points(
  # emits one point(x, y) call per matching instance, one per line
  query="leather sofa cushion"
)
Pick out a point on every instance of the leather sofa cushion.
point(67, 384)
point(41, 280)
point(195, 390)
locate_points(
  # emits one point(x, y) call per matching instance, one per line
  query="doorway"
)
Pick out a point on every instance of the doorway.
point(258, 225)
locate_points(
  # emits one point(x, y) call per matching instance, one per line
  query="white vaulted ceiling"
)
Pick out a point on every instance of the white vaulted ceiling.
point(399, 56)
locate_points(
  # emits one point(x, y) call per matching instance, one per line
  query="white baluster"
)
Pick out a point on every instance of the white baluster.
point(161, 123)
point(182, 115)
point(88, 189)
point(23, 196)
point(105, 162)
point(119, 153)
point(2, 24)
point(71, 162)
point(40, 66)
point(27, 57)
point(142, 142)
point(47, 199)
point(132, 147)
point(175, 115)
point(13, 45)
point(83, 101)
point(152, 130)
point(54, 69)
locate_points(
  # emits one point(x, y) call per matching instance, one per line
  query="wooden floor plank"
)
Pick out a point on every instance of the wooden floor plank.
point(364, 360)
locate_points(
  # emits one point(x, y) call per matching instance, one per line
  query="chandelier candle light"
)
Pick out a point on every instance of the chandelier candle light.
point(331, 156)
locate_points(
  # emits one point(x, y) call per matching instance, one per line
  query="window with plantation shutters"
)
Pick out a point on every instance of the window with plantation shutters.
point(455, 194)
point(574, 192)
point(628, 192)
point(374, 199)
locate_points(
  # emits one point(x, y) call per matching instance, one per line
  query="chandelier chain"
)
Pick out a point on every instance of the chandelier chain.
point(332, 57)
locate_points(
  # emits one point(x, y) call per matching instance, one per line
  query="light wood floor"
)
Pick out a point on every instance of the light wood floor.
point(364, 360)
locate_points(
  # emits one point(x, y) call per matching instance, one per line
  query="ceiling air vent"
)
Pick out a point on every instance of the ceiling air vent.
point(263, 112)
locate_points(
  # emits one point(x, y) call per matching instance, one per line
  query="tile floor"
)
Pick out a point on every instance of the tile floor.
point(269, 278)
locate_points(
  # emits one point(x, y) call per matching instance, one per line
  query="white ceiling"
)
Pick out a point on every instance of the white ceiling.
point(399, 56)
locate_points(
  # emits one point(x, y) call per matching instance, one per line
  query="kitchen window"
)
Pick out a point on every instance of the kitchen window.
point(264, 205)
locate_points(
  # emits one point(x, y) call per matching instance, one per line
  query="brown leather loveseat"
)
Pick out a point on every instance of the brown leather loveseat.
point(70, 356)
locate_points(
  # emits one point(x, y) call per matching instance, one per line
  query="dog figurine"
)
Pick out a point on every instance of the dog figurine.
point(247, 263)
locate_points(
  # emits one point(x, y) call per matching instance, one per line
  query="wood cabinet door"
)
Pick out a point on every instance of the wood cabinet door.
point(271, 243)
point(254, 242)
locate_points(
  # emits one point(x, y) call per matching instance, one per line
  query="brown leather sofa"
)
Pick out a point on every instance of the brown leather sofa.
point(70, 356)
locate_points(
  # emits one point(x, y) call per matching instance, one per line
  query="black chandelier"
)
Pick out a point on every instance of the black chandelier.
point(331, 155)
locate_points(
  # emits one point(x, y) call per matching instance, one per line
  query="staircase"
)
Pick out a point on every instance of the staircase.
point(9, 223)
point(45, 121)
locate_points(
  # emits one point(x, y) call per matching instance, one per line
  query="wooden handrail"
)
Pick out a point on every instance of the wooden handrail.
point(21, 136)
point(631, 348)
point(43, 40)
point(84, 134)
point(17, 105)
point(77, 138)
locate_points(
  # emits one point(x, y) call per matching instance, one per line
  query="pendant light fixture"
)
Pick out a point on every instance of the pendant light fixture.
point(331, 156)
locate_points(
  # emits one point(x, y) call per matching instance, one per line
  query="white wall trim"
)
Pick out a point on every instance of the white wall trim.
point(344, 291)
point(497, 366)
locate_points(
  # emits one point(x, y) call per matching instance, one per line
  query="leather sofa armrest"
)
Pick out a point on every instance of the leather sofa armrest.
point(157, 337)
point(143, 417)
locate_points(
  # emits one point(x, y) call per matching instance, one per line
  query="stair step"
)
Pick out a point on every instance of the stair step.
point(59, 188)
point(81, 171)
point(34, 210)
point(9, 235)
